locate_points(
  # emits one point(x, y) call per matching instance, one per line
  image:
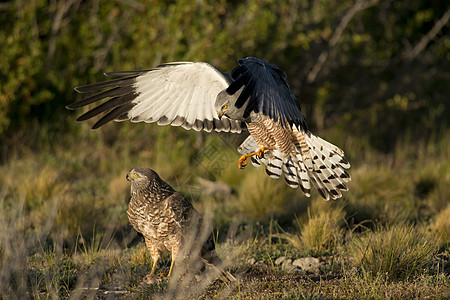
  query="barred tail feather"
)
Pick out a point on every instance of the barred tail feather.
point(328, 175)
point(274, 164)
point(316, 161)
point(303, 176)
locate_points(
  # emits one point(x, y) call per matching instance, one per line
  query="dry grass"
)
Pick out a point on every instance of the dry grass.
point(398, 252)
point(321, 235)
point(441, 226)
point(65, 232)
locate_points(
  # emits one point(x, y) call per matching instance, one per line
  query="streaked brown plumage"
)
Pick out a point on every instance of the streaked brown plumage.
point(168, 221)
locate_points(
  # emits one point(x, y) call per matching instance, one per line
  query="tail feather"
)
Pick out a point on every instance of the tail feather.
point(303, 177)
point(329, 166)
point(290, 173)
point(256, 162)
point(326, 146)
point(314, 161)
point(325, 174)
point(274, 164)
point(319, 187)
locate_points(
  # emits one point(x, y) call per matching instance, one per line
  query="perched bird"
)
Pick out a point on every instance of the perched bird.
point(168, 221)
point(255, 97)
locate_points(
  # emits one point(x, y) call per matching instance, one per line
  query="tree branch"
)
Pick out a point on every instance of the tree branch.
point(420, 46)
point(358, 6)
point(63, 8)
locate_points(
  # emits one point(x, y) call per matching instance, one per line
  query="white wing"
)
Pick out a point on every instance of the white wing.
point(179, 94)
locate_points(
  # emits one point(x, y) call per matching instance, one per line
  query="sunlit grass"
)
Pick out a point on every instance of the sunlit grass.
point(321, 234)
point(398, 252)
point(440, 227)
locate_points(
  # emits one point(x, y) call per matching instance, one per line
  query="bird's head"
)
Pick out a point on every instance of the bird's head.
point(222, 111)
point(148, 181)
point(141, 177)
point(225, 106)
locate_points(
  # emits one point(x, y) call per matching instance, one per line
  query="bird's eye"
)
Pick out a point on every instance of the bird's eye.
point(225, 106)
point(135, 176)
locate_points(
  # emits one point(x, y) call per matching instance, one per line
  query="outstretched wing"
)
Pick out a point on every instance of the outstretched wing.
point(179, 94)
point(267, 92)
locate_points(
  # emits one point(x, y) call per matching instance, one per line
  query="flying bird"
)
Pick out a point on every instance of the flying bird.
point(168, 221)
point(255, 97)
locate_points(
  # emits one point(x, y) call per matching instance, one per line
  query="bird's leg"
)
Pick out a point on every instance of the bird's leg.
point(150, 278)
point(154, 252)
point(171, 267)
point(174, 252)
point(259, 153)
point(155, 262)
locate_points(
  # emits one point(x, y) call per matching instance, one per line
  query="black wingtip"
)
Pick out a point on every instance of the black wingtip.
point(70, 106)
point(83, 88)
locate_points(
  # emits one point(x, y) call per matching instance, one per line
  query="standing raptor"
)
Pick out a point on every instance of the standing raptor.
point(168, 221)
point(256, 97)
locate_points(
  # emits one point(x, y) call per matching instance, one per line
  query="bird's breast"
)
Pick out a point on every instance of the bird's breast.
point(268, 133)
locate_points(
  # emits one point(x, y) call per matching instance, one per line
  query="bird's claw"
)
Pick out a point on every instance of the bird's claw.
point(242, 162)
point(260, 153)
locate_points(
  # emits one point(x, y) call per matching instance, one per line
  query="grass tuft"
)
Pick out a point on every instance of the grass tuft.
point(398, 252)
point(441, 226)
point(322, 234)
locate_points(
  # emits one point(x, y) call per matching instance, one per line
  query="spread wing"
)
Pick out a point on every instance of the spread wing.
point(268, 92)
point(179, 94)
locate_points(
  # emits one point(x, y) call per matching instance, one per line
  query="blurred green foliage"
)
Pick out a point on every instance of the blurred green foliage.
point(384, 71)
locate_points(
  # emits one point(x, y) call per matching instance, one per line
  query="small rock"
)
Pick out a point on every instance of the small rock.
point(308, 264)
point(260, 264)
point(280, 260)
point(286, 264)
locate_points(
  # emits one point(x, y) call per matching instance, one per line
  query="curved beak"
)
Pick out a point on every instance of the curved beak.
point(219, 114)
point(128, 176)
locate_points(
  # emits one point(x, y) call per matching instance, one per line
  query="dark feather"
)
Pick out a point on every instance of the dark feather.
point(116, 112)
point(114, 92)
point(269, 92)
point(105, 84)
point(106, 106)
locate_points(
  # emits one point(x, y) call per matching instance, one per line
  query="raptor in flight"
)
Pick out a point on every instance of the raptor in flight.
point(256, 97)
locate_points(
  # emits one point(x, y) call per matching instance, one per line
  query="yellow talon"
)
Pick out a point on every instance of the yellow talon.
point(259, 153)
point(242, 161)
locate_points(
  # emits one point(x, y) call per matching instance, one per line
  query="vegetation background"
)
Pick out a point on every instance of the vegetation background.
point(372, 77)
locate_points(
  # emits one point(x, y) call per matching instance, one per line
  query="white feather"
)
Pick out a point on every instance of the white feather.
point(186, 90)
